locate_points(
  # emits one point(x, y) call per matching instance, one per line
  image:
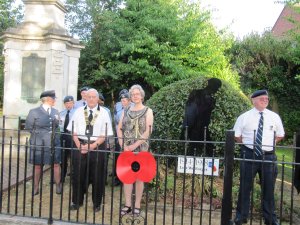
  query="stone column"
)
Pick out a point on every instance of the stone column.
point(39, 55)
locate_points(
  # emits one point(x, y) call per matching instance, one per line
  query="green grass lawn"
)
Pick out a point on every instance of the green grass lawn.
point(286, 156)
point(287, 153)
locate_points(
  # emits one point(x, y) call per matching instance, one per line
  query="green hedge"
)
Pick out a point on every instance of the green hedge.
point(168, 107)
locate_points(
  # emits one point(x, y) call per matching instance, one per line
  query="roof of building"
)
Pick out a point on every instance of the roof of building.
point(286, 21)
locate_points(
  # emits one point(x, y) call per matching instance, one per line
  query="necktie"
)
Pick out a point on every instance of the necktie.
point(67, 120)
point(89, 127)
point(83, 103)
point(91, 116)
point(48, 111)
point(258, 139)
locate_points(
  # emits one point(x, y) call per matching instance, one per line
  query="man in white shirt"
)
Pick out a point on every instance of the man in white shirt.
point(258, 129)
point(91, 126)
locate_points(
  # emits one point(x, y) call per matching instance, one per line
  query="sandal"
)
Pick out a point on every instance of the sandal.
point(136, 212)
point(125, 210)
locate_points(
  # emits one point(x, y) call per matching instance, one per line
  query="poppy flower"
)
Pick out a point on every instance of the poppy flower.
point(136, 166)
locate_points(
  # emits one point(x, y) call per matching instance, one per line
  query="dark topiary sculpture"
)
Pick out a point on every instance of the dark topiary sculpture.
point(168, 105)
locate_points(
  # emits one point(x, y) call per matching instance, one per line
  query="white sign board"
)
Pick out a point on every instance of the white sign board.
point(195, 165)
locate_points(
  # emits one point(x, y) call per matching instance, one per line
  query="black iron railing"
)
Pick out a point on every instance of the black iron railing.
point(175, 196)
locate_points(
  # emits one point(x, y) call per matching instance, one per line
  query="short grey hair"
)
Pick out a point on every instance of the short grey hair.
point(139, 87)
point(93, 90)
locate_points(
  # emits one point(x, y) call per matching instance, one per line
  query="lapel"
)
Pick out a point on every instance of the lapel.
point(43, 110)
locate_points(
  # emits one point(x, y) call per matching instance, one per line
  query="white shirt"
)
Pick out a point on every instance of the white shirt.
point(99, 128)
point(79, 103)
point(62, 117)
point(247, 123)
point(46, 107)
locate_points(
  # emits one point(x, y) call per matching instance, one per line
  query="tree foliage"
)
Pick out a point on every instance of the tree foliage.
point(153, 43)
point(10, 16)
point(265, 62)
point(82, 15)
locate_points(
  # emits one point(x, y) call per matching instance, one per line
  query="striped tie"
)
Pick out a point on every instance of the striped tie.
point(258, 139)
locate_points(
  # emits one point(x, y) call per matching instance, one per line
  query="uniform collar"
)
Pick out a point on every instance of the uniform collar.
point(46, 107)
point(265, 111)
point(93, 109)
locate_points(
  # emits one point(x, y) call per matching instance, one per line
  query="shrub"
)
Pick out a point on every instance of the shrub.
point(290, 115)
point(168, 107)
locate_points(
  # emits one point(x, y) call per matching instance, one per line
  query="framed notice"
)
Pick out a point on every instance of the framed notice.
point(198, 165)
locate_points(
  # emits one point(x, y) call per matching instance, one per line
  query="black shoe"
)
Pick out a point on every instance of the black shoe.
point(125, 210)
point(136, 212)
point(74, 206)
point(97, 208)
point(240, 221)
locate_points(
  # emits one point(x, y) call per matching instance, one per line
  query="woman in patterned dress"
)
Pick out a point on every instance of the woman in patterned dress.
point(134, 129)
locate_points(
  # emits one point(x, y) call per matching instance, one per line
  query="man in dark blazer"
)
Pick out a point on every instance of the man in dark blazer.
point(42, 122)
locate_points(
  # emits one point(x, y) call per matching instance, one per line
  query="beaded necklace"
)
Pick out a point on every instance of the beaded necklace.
point(94, 117)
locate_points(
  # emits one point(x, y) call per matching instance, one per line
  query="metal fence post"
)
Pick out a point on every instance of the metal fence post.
point(296, 171)
point(52, 154)
point(228, 177)
point(2, 163)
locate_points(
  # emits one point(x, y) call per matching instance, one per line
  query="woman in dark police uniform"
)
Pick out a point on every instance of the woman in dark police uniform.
point(41, 122)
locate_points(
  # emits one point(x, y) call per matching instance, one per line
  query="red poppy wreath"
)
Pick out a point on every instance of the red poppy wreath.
point(136, 166)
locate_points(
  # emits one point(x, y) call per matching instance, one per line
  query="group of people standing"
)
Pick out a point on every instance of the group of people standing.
point(86, 125)
point(81, 131)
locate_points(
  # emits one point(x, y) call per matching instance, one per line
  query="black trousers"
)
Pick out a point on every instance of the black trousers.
point(267, 173)
point(116, 156)
point(88, 169)
point(66, 144)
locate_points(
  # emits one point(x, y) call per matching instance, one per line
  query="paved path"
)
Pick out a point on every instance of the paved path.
point(18, 220)
point(10, 168)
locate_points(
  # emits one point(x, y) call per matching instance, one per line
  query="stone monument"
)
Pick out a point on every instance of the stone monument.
point(39, 55)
